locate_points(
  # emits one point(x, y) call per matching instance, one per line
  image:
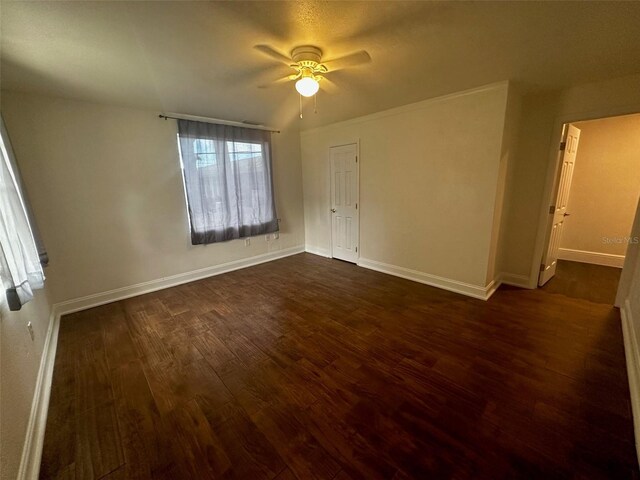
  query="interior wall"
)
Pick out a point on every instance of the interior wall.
point(505, 178)
point(429, 175)
point(539, 136)
point(20, 358)
point(634, 294)
point(107, 192)
point(605, 187)
point(628, 299)
point(632, 300)
point(629, 270)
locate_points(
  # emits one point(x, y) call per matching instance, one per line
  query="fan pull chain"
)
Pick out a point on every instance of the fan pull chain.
point(315, 103)
point(300, 105)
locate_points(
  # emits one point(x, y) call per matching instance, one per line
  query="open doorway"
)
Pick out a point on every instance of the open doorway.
point(592, 210)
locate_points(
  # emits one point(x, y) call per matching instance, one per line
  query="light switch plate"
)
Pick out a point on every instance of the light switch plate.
point(247, 242)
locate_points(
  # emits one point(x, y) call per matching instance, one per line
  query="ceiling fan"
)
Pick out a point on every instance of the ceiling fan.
point(310, 70)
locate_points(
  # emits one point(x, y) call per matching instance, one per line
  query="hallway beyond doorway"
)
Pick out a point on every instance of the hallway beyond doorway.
point(585, 281)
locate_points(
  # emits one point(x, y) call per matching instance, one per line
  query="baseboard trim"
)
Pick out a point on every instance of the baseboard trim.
point(596, 258)
point(323, 252)
point(468, 289)
point(34, 440)
point(491, 288)
point(95, 300)
point(632, 356)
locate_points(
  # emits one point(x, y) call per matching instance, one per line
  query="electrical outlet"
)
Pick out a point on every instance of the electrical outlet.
point(247, 242)
point(276, 236)
point(31, 333)
point(267, 237)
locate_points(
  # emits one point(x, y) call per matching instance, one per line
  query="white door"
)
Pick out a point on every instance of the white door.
point(344, 202)
point(558, 211)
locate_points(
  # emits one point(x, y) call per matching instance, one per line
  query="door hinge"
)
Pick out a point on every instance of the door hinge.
point(542, 267)
point(356, 205)
point(356, 158)
point(356, 249)
point(563, 145)
point(552, 209)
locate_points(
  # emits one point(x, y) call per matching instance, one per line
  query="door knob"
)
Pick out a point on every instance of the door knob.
point(566, 214)
point(333, 210)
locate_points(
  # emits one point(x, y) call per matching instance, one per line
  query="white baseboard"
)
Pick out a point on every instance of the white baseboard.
point(491, 288)
point(323, 252)
point(606, 259)
point(34, 440)
point(97, 299)
point(470, 290)
point(632, 356)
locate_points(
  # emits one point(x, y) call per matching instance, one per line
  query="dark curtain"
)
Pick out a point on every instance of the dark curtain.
point(228, 181)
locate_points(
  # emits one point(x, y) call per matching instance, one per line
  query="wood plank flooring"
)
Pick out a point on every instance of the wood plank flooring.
point(595, 283)
point(310, 368)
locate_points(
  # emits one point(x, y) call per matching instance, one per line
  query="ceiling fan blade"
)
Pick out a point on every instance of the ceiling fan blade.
point(328, 86)
point(273, 53)
point(256, 75)
point(351, 60)
point(279, 81)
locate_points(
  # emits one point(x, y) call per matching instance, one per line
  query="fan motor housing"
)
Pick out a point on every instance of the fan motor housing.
point(306, 53)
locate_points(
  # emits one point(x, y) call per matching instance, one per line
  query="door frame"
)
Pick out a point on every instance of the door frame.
point(355, 142)
point(552, 174)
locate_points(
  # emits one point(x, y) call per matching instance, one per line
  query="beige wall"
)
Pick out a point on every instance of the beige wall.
point(629, 285)
point(429, 177)
point(605, 187)
point(505, 178)
point(19, 366)
point(107, 192)
point(533, 165)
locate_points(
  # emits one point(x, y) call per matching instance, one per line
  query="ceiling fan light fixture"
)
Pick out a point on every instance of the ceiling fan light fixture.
point(307, 86)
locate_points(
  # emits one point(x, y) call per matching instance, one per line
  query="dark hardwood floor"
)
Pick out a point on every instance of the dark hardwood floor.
point(313, 368)
point(583, 280)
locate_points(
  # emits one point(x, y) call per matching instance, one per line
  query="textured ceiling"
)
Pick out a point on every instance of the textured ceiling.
point(199, 57)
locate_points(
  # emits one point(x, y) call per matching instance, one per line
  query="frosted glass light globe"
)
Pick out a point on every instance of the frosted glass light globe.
point(307, 86)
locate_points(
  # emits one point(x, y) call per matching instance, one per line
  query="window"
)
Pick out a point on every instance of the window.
point(205, 151)
point(22, 254)
point(227, 179)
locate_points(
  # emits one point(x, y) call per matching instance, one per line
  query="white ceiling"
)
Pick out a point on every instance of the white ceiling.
point(198, 57)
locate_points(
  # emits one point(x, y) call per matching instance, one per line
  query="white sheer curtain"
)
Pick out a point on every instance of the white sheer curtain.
point(20, 261)
point(227, 176)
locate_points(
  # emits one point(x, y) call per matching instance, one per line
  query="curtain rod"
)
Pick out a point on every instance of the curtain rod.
point(180, 116)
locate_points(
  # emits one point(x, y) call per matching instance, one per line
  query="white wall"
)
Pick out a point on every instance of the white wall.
point(19, 366)
point(107, 192)
point(430, 174)
point(605, 188)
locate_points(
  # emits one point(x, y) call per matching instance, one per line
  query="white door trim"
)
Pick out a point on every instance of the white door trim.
point(355, 142)
point(552, 165)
